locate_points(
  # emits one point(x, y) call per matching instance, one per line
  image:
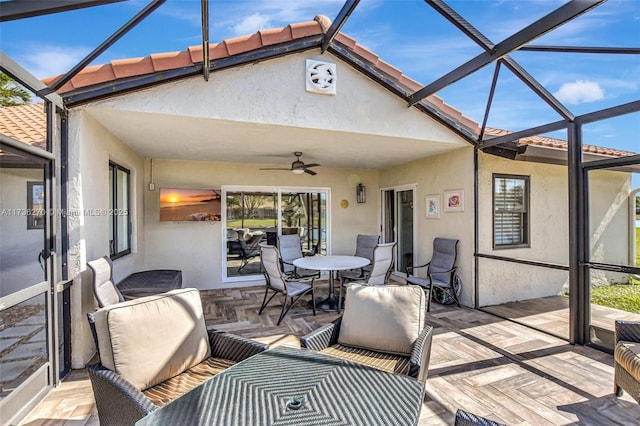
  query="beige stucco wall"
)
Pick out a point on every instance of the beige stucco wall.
point(196, 247)
point(434, 175)
point(500, 281)
point(91, 147)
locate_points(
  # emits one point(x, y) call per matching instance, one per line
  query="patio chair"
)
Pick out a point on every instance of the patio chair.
point(240, 248)
point(155, 349)
point(290, 248)
point(441, 271)
point(364, 248)
point(135, 285)
point(104, 288)
point(382, 327)
point(465, 418)
point(381, 268)
point(626, 355)
point(278, 283)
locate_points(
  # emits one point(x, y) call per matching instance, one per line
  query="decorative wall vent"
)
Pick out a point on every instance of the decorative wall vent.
point(321, 77)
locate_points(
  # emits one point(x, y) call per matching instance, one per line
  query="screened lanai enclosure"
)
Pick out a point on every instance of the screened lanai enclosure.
point(547, 107)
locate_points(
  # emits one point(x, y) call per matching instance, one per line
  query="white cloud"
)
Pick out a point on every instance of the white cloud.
point(50, 60)
point(579, 92)
point(252, 23)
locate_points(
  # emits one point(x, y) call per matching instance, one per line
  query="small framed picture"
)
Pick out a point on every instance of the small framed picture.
point(454, 201)
point(433, 206)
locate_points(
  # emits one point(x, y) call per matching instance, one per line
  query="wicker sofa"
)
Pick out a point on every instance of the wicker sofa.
point(627, 359)
point(154, 349)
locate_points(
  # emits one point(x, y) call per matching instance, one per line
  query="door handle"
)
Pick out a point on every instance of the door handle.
point(43, 256)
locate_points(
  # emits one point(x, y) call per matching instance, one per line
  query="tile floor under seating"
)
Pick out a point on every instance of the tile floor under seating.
point(479, 362)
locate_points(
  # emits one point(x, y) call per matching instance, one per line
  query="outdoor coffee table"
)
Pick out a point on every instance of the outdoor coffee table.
point(331, 264)
point(264, 389)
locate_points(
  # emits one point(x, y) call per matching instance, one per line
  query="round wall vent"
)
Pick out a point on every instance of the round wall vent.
point(321, 77)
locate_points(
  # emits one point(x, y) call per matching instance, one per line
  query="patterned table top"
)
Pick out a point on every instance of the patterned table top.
point(259, 390)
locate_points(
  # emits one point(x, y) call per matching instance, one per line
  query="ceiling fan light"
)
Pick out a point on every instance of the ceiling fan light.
point(298, 171)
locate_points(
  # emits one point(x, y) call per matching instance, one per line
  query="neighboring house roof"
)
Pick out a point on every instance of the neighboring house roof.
point(25, 123)
point(124, 69)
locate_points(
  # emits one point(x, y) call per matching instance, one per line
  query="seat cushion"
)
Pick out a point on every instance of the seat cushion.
point(385, 318)
point(382, 361)
point(178, 385)
point(627, 355)
point(151, 339)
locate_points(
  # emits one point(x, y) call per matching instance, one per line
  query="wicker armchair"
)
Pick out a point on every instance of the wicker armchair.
point(161, 350)
point(367, 333)
point(627, 359)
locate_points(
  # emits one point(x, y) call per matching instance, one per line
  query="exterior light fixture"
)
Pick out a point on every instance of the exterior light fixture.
point(361, 194)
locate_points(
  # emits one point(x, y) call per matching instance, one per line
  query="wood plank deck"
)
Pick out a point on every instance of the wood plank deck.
point(479, 362)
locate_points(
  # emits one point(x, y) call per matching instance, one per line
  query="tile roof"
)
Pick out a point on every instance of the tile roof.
point(547, 142)
point(26, 123)
point(119, 69)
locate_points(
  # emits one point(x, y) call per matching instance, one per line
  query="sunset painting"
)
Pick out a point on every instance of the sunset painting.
point(191, 205)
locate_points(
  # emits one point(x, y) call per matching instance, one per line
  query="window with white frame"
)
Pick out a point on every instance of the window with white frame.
point(510, 211)
point(119, 224)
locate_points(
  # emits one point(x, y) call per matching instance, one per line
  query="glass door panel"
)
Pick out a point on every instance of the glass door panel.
point(252, 218)
point(25, 356)
point(614, 257)
point(404, 230)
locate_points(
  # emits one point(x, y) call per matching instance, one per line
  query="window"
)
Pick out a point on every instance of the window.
point(119, 225)
point(510, 211)
point(35, 205)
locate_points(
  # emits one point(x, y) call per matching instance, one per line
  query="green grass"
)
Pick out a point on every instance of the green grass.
point(625, 297)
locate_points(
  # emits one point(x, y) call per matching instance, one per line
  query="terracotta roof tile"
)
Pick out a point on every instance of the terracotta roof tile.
point(241, 44)
point(346, 40)
point(94, 74)
point(275, 35)
point(170, 60)
point(26, 123)
point(129, 67)
point(561, 144)
point(305, 29)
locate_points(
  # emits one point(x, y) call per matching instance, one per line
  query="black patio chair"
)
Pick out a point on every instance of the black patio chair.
point(243, 251)
point(441, 271)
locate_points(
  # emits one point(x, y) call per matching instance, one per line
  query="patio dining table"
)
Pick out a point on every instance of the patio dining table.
point(332, 264)
point(291, 386)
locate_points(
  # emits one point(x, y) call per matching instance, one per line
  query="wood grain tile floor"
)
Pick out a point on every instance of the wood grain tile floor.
point(479, 362)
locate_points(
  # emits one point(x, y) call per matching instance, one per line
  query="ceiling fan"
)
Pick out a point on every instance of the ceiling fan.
point(297, 167)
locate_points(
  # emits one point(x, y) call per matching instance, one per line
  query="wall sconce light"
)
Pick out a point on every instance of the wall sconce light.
point(361, 194)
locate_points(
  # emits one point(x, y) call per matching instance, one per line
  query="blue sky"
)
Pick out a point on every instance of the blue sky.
point(406, 33)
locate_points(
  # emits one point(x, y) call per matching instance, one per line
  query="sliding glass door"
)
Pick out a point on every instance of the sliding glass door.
point(26, 321)
point(398, 216)
point(255, 215)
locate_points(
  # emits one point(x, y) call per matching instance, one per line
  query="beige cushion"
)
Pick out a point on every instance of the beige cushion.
point(151, 339)
point(385, 318)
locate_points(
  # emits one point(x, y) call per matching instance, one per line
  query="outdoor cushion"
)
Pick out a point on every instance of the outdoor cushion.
point(382, 361)
point(177, 386)
point(179, 342)
point(385, 318)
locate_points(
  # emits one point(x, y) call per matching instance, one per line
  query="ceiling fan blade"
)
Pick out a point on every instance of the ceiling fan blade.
point(274, 168)
point(312, 165)
point(311, 172)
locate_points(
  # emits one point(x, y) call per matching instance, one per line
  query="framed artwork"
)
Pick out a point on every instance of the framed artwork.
point(454, 200)
point(433, 206)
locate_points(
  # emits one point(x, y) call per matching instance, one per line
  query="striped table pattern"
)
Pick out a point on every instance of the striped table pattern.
point(258, 391)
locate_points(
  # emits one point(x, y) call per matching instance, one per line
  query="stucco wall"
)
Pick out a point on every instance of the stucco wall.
point(19, 246)
point(435, 175)
point(500, 281)
point(196, 247)
point(91, 147)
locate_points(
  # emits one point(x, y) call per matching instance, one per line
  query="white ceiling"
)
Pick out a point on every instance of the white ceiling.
point(162, 136)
